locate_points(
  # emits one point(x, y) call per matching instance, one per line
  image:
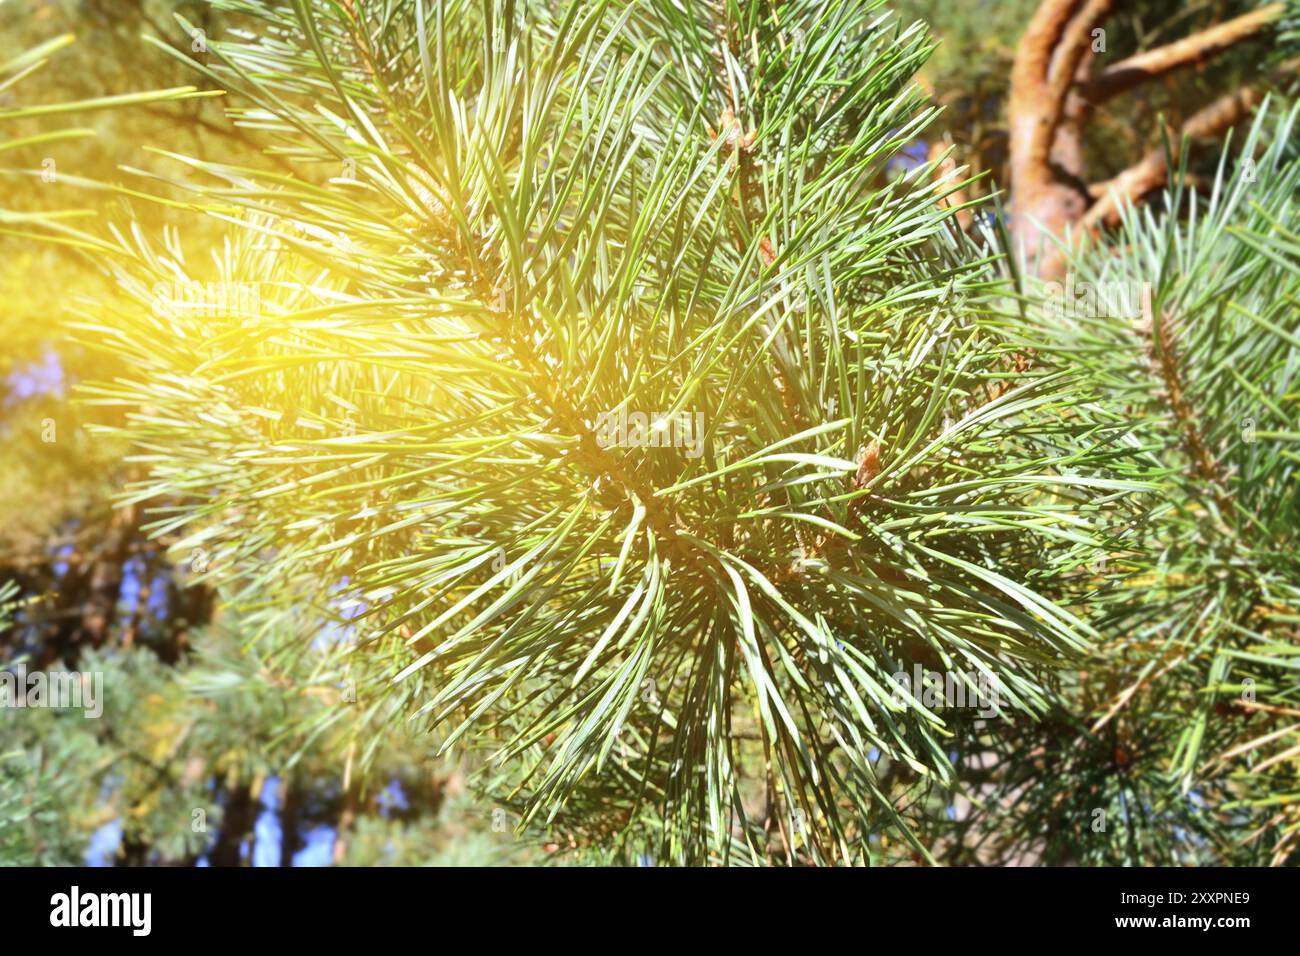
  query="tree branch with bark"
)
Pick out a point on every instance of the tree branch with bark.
point(1151, 172)
point(1053, 93)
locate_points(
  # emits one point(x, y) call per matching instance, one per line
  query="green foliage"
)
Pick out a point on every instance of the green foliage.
point(379, 410)
point(32, 824)
point(528, 216)
point(1183, 731)
point(198, 733)
point(37, 776)
point(163, 761)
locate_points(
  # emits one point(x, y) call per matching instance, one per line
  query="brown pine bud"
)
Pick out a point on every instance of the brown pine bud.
point(868, 465)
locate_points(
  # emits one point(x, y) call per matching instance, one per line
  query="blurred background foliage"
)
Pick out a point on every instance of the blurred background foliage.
point(195, 765)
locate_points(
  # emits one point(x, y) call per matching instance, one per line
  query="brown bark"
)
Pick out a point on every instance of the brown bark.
point(1152, 171)
point(347, 820)
point(1052, 97)
point(1067, 145)
point(946, 177)
point(290, 811)
point(85, 599)
point(236, 823)
point(1057, 44)
point(134, 849)
point(1189, 51)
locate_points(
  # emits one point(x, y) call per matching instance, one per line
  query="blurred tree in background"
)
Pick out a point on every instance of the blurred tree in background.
point(175, 773)
point(1064, 107)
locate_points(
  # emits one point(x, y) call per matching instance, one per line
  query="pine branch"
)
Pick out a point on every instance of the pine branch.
point(1165, 357)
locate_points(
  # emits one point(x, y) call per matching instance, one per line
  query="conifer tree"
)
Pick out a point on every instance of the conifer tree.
point(1181, 732)
point(598, 387)
point(516, 224)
